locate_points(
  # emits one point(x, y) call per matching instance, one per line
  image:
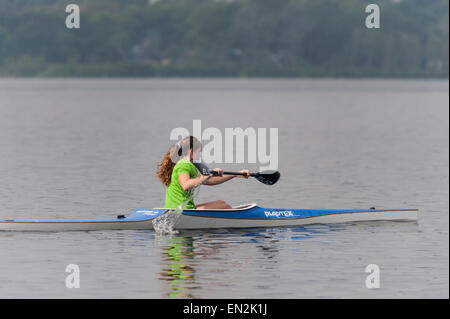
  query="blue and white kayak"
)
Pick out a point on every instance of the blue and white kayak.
point(243, 216)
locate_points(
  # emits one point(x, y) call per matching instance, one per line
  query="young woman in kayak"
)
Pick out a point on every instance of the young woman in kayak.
point(182, 177)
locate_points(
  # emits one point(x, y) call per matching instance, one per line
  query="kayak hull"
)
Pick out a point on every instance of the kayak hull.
point(60, 226)
point(197, 222)
point(244, 216)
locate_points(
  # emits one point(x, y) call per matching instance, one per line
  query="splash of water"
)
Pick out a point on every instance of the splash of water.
point(164, 223)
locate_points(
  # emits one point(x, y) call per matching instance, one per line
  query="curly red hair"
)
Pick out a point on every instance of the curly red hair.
point(182, 148)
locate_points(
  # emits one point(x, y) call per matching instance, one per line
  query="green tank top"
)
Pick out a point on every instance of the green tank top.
point(175, 195)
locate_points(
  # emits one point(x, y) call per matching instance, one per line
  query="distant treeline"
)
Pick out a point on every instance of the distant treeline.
point(244, 38)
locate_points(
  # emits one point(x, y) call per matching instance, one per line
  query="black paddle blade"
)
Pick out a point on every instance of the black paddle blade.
point(268, 177)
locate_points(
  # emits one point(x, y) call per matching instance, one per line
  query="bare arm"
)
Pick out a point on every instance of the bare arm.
point(187, 183)
point(215, 180)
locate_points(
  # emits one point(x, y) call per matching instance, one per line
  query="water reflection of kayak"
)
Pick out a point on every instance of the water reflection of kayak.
point(244, 216)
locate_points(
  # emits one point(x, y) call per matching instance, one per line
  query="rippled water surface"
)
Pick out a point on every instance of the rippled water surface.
point(89, 148)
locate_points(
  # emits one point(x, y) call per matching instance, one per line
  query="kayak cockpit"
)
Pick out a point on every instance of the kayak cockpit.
point(234, 208)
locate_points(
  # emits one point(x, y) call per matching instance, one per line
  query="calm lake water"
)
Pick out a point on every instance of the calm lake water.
point(89, 148)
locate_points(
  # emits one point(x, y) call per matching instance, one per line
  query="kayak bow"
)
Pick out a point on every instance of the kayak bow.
point(243, 216)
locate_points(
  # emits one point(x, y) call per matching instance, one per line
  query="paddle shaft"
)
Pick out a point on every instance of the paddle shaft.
point(264, 177)
point(232, 173)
